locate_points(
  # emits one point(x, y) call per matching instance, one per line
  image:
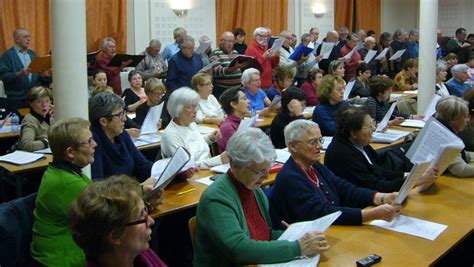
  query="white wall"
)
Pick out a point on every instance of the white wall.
point(399, 14)
point(301, 17)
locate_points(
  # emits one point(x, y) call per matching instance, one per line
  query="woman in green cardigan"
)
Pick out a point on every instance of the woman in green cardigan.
point(233, 221)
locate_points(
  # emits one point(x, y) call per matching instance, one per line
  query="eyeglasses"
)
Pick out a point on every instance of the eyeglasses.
point(314, 142)
point(144, 219)
point(260, 173)
point(204, 84)
point(89, 142)
point(190, 107)
point(122, 115)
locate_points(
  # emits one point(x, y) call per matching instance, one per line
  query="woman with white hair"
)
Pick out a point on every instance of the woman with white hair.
point(457, 85)
point(233, 221)
point(183, 131)
point(453, 112)
point(441, 72)
point(259, 101)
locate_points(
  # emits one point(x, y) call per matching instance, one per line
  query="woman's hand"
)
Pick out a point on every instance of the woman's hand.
point(396, 121)
point(295, 108)
point(148, 186)
point(385, 198)
point(133, 132)
point(384, 212)
point(215, 136)
point(428, 177)
point(312, 243)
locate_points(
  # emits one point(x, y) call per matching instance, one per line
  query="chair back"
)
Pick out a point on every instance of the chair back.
point(192, 228)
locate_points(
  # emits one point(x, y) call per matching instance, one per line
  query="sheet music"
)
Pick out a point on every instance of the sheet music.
point(397, 54)
point(223, 168)
point(282, 155)
point(416, 172)
point(326, 49)
point(370, 55)
point(384, 122)
point(166, 169)
point(247, 123)
point(44, 151)
point(277, 44)
point(21, 157)
point(413, 123)
point(309, 109)
point(139, 143)
point(348, 89)
point(202, 47)
point(150, 124)
point(297, 230)
point(6, 129)
point(389, 136)
point(431, 108)
point(382, 54)
point(412, 226)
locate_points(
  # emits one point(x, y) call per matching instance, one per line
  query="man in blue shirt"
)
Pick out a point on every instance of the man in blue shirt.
point(412, 43)
point(171, 49)
point(183, 65)
point(457, 85)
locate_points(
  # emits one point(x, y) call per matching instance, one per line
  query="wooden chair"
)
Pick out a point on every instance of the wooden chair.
point(192, 228)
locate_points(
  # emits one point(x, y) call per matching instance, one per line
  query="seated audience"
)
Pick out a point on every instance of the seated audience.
point(292, 107)
point(111, 224)
point(330, 95)
point(283, 80)
point(208, 110)
point(351, 157)
point(155, 91)
point(310, 86)
point(153, 65)
point(183, 131)
point(441, 72)
point(233, 221)
point(259, 101)
point(467, 135)
point(115, 152)
point(453, 112)
point(304, 189)
point(457, 84)
point(135, 95)
point(236, 105)
point(407, 78)
point(239, 44)
point(377, 103)
point(35, 125)
point(361, 87)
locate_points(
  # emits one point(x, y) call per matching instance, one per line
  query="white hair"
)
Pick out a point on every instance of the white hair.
point(247, 75)
point(106, 41)
point(250, 146)
point(456, 69)
point(180, 98)
point(260, 30)
point(297, 128)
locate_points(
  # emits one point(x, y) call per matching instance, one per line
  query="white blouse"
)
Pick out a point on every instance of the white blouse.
point(209, 108)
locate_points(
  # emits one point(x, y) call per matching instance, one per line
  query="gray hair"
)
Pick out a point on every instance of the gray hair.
point(177, 31)
point(398, 33)
point(106, 41)
point(450, 108)
point(154, 43)
point(304, 36)
point(440, 66)
point(297, 128)
point(18, 32)
point(102, 105)
point(458, 68)
point(247, 75)
point(369, 39)
point(186, 40)
point(413, 32)
point(260, 30)
point(180, 98)
point(352, 36)
point(250, 146)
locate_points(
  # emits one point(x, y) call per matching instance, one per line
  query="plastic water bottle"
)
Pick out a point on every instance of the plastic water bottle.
point(15, 123)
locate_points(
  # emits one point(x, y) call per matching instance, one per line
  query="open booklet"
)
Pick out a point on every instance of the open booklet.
point(21, 157)
point(277, 44)
point(119, 58)
point(435, 142)
point(302, 50)
point(387, 136)
point(166, 169)
point(39, 64)
point(297, 230)
point(150, 124)
point(252, 62)
point(415, 174)
point(247, 123)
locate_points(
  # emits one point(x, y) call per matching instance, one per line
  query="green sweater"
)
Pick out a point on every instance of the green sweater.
point(222, 237)
point(52, 243)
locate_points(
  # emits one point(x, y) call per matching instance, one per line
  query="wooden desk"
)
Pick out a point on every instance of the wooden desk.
point(37, 165)
point(450, 201)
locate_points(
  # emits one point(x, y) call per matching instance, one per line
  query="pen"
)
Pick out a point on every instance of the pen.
point(186, 191)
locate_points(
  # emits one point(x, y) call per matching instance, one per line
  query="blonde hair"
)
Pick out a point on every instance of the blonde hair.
point(327, 85)
point(154, 85)
point(199, 79)
point(102, 89)
point(64, 134)
point(38, 92)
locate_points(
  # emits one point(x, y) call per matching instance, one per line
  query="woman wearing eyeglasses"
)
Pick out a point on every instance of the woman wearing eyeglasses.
point(115, 153)
point(304, 189)
point(233, 221)
point(208, 109)
point(110, 223)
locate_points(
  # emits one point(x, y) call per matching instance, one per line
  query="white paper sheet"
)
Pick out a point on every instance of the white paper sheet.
point(6, 129)
point(327, 141)
point(389, 136)
point(247, 123)
point(44, 151)
point(206, 180)
point(413, 123)
point(277, 45)
point(309, 109)
point(431, 109)
point(276, 102)
point(223, 168)
point(412, 226)
point(384, 122)
point(282, 155)
point(205, 130)
point(382, 54)
point(209, 66)
point(21, 157)
point(148, 138)
point(202, 47)
point(348, 89)
point(349, 55)
point(150, 124)
point(326, 49)
point(415, 174)
point(297, 230)
point(370, 55)
point(166, 169)
point(397, 54)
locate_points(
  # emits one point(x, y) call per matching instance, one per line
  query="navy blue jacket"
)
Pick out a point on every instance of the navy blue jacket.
point(325, 116)
point(121, 157)
point(295, 198)
point(181, 70)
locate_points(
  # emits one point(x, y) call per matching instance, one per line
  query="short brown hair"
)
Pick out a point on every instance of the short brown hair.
point(38, 92)
point(379, 84)
point(282, 73)
point(65, 133)
point(103, 208)
point(326, 87)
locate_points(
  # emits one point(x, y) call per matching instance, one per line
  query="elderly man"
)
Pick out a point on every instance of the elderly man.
point(353, 62)
point(183, 65)
point(412, 43)
point(457, 85)
point(286, 50)
point(305, 189)
point(109, 48)
point(153, 65)
point(343, 33)
point(455, 44)
point(171, 49)
point(14, 72)
point(225, 77)
point(331, 37)
point(259, 50)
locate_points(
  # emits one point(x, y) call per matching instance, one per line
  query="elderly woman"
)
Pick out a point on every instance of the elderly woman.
point(155, 91)
point(183, 131)
point(233, 221)
point(361, 88)
point(73, 148)
point(454, 113)
point(407, 78)
point(283, 80)
point(208, 110)
point(292, 107)
point(336, 68)
point(236, 105)
point(351, 157)
point(458, 85)
point(304, 189)
point(377, 103)
point(35, 125)
point(259, 101)
point(310, 86)
point(441, 72)
point(135, 95)
point(115, 153)
point(330, 95)
point(110, 222)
